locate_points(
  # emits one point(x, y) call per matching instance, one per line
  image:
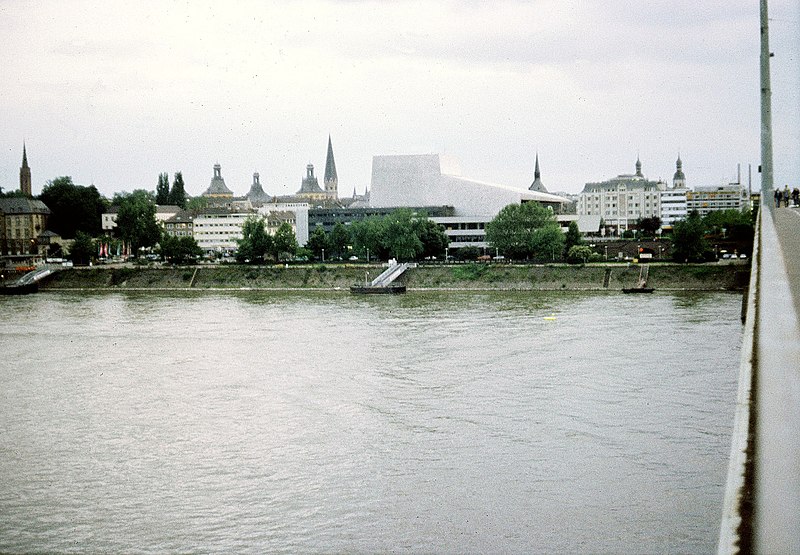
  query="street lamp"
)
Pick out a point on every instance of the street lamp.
point(323, 255)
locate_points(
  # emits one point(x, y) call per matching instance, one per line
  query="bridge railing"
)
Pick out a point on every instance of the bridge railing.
point(761, 510)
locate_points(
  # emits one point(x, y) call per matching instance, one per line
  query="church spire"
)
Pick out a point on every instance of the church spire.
point(25, 174)
point(638, 167)
point(331, 180)
point(537, 184)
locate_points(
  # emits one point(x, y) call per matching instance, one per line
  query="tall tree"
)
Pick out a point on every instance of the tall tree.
point(136, 219)
point(572, 238)
point(177, 196)
point(255, 242)
point(285, 242)
point(688, 239)
point(162, 190)
point(524, 231)
point(402, 242)
point(318, 242)
point(432, 236)
point(339, 240)
point(82, 249)
point(73, 207)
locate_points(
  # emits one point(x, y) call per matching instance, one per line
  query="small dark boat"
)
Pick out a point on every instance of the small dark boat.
point(377, 289)
point(637, 289)
point(19, 289)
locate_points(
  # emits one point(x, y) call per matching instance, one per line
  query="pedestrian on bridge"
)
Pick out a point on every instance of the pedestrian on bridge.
point(796, 197)
point(778, 196)
point(786, 196)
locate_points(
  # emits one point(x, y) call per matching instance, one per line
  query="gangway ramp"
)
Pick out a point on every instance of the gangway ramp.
point(391, 273)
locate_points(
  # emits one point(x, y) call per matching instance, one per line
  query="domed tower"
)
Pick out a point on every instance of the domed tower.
point(679, 180)
point(638, 167)
point(217, 188)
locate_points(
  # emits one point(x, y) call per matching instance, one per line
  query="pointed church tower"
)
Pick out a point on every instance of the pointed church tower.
point(331, 180)
point(679, 180)
point(638, 167)
point(537, 184)
point(25, 175)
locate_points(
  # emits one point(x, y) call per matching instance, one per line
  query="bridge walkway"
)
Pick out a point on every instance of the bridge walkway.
point(787, 226)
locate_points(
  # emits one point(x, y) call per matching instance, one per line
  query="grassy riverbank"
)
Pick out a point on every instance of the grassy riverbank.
point(705, 277)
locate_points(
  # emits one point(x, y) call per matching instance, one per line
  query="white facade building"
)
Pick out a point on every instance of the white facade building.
point(623, 200)
point(433, 180)
point(300, 211)
point(219, 230)
point(673, 207)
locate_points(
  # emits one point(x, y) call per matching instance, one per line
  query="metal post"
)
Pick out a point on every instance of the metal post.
point(766, 110)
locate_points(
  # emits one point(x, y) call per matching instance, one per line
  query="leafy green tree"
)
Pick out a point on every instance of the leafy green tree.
point(179, 250)
point(579, 254)
point(402, 242)
point(73, 207)
point(255, 243)
point(82, 249)
point(524, 231)
point(572, 238)
point(370, 236)
point(162, 189)
point(649, 226)
point(197, 204)
point(339, 240)
point(467, 253)
point(688, 239)
point(285, 242)
point(136, 219)
point(177, 195)
point(318, 242)
point(432, 236)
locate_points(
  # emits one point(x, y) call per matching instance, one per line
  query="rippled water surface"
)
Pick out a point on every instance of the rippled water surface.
point(430, 422)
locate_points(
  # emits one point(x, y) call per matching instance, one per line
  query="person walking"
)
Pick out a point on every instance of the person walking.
point(796, 197)
point(786, 196)
point(778, 196)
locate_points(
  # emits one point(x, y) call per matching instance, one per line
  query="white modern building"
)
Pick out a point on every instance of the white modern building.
point(434, 180)
point(219, 230)
point(299, 218)
point(674, 207)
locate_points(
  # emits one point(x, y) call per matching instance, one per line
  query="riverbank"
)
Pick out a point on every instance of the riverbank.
point(674, 277)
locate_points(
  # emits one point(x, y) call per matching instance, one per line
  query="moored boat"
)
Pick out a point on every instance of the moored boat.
point(377, 289)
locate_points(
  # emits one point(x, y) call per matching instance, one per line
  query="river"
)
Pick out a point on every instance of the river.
point(321, 422)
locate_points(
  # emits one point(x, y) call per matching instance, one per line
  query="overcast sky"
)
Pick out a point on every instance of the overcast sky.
point(113, 93)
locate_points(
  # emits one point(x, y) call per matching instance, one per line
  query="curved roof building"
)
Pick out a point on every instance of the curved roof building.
point(432, 180)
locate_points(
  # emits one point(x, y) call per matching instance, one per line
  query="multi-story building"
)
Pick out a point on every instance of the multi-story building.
point(296, 213)
point(623, 200)
point(733, 196)
point(22, 223)
point(180, 224)
point(218, 229)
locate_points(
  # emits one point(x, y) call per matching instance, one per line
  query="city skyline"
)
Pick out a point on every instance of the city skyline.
point(113, 95)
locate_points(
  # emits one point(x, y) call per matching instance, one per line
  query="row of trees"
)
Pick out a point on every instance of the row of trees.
point(693, 238)
point(257, 245)
point(175, 196)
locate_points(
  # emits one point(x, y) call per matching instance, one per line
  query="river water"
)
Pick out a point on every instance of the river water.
point(430, 422)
